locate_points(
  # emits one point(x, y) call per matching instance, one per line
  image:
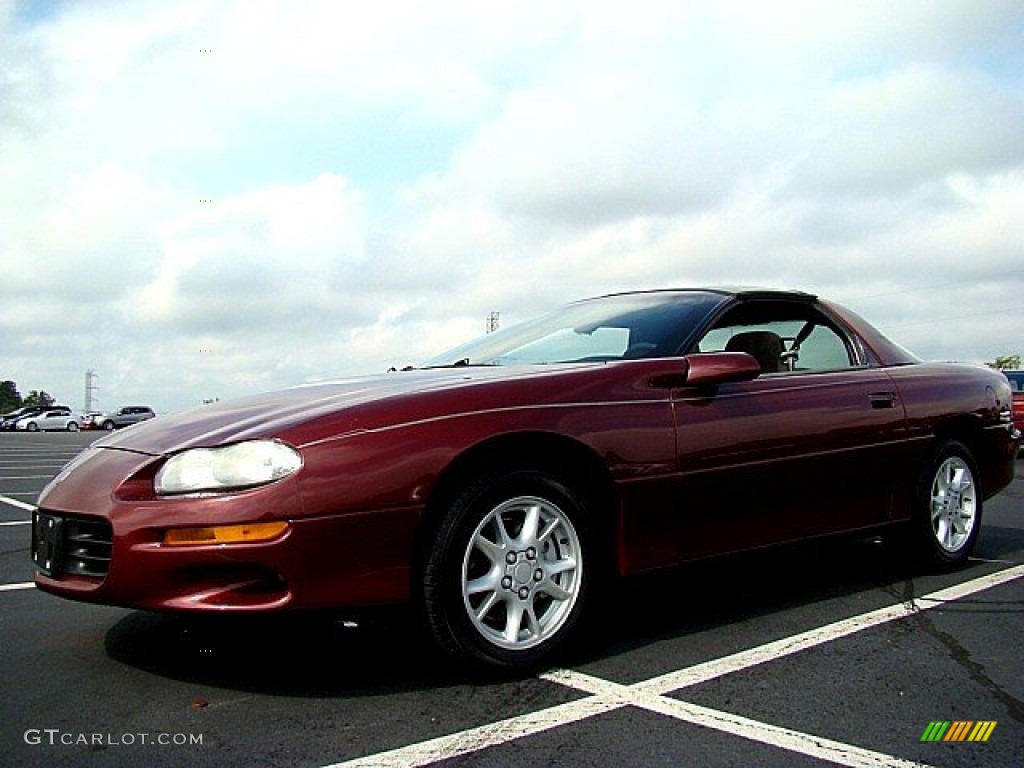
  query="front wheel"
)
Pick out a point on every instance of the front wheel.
point(948, 507)
point(506, 573)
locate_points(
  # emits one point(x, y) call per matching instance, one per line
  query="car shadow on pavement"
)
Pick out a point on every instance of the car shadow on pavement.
point(741, 588)
point(811, 578)
point(313, 655)
point(385, 651)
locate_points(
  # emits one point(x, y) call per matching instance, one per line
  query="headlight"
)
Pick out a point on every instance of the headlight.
point(230, 468)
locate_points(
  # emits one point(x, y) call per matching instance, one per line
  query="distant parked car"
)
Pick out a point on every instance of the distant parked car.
point(124, 417)
point(91, 420)
point(9, 420)
point(48, 420)
point(1017, 385)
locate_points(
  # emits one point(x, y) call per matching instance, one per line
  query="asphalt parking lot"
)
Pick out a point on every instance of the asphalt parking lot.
point(827, 654)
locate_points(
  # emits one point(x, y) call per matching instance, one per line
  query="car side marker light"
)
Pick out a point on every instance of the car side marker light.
point(224, 534)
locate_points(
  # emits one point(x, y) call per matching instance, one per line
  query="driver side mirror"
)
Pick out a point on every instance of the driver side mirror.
point(710, 368)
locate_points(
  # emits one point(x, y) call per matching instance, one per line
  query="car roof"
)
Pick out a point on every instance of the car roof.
point(738, 292)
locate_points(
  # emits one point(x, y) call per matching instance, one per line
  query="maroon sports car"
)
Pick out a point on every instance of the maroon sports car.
point(494, 485)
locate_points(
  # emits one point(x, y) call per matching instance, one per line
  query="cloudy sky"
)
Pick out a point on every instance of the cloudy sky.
point(206, 199)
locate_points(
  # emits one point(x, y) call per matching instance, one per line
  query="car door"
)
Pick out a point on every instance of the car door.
point(805, 449)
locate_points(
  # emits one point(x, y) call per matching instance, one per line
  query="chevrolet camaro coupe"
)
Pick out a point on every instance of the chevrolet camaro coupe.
point(495, 485)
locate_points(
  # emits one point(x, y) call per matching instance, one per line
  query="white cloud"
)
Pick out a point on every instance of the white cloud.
point(381, 177)
point(288, 246)
point(891, 133)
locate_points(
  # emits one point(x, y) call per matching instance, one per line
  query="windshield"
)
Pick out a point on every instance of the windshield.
point(621, 327)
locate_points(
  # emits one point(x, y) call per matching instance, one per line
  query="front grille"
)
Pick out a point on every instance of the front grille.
point(87, 546)
point(74, 546)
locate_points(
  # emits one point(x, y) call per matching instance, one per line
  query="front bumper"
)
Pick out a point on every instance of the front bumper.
point(329, 561)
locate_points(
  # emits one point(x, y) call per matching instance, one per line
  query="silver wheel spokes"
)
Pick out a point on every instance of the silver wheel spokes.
point(953, 504)
point(521, 573)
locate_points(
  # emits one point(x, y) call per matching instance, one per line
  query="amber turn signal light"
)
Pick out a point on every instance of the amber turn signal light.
point(224, 534)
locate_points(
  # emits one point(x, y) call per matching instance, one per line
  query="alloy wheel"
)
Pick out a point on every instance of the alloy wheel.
point(521, 573)
point(953, 504)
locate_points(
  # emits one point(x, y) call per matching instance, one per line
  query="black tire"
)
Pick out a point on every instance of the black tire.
point(32, 427)
point(948, 507)
point(108, 425)
point(507, 601)
point(72, 426)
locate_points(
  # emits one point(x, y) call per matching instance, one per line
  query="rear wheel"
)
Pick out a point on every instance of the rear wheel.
point(506, 573)
point(948, 507)
point(72, 426)
point(32, 427)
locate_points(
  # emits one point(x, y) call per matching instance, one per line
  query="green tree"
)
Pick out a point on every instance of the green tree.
point(10, 399)
point(38, 398)
point(1006, 363)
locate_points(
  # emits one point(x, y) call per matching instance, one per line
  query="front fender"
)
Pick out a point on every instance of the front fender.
point(398, 466)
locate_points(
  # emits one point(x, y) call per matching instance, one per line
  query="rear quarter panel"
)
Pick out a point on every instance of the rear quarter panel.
point(954, 401)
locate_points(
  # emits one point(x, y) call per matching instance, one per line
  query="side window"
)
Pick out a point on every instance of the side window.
point(823, 350)
point(783, 338)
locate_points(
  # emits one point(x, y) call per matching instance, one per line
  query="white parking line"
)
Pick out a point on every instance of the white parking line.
point(492, 734)
point(606, 696)
point(40, 452)
point(709, 670)
point(13, 587)
point(735, 725)
point(17, 463)
point(19, 504)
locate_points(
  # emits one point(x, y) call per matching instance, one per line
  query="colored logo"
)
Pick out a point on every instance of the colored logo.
point(958, 730)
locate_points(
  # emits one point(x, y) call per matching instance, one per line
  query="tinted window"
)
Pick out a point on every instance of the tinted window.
point(621, 327)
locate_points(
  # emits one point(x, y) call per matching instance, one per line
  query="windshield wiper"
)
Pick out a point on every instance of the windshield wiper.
point(465, 362)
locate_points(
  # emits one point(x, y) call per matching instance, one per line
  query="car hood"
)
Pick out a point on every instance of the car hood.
point(284, 413)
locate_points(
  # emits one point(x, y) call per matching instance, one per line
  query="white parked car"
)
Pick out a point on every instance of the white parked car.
point(55, 419)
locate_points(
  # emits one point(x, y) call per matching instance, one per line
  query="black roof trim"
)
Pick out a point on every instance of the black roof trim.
point(744, 293)
point(770, 293)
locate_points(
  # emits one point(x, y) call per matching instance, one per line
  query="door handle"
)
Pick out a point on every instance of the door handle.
point(882, 399)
